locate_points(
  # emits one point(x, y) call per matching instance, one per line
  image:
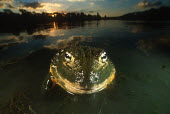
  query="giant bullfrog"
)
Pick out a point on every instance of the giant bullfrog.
point(81, 70)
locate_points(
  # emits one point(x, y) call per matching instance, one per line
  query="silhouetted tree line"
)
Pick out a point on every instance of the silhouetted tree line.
point(162, 13)
point(24, 17)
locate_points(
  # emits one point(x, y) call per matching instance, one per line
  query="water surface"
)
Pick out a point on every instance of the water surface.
point(139, 50)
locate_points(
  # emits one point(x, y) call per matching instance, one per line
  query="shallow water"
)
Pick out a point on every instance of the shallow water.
point(139, 50)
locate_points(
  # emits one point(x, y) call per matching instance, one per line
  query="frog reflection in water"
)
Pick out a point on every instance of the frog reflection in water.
point(81, 70)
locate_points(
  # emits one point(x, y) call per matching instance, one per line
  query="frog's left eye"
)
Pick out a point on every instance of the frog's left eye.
point(68, 56)
point(103, 57)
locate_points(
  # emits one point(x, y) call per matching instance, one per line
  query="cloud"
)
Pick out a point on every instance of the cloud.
point(51, 7)
point(40, 7)
point(91, 11)
point(84, 0)
point(148, 4)
point(2, 5)
point(10, 6)
point(33, 5)
point(14, 4)
point(88, 11)
point(7, 4)
point(6, 1)
point(76, 0)
point(92, 3)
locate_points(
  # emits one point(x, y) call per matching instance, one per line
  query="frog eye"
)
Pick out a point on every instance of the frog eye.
point(103, 57)
point(68, 56)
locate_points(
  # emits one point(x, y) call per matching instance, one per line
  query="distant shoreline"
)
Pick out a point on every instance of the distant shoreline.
point(161, 13)
point(31, 18)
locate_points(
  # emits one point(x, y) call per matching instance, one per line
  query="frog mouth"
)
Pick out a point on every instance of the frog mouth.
point(75, 88)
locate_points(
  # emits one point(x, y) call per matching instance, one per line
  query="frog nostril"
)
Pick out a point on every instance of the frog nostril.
point(96, 79)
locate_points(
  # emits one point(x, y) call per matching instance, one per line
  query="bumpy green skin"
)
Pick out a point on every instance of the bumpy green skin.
point(84, 67)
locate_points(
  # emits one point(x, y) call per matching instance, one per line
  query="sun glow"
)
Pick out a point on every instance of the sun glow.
point(53, 15)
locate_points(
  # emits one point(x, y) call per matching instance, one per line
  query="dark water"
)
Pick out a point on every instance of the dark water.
point(139, 50)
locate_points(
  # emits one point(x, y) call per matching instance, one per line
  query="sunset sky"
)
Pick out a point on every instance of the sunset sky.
point(108, 7)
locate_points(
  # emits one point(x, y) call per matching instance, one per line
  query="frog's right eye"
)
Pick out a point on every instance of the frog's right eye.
point(68, 56)
point(103, 57)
